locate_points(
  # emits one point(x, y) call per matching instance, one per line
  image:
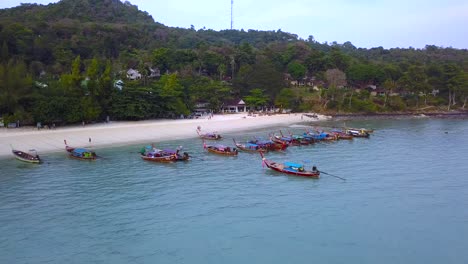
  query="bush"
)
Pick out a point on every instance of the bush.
point(396, 103)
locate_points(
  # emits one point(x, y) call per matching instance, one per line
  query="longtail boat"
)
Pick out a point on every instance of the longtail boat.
point(357, 133)
point(209, 136)
point(283, 140)
point(80, 153)
point(301, 139)
point(366, 130)
point(30, 156)
point(322, 136)
point(269, 144)
point(250, 147)
point(150, 153)
point(291, 168)
point(221, 149)
point(341, 134)
point(294, 141)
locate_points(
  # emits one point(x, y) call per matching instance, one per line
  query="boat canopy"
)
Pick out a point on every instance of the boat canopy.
point(264, 142)
point(170, 151)
point(251, 145)
point(293, 165)
point(80, 150)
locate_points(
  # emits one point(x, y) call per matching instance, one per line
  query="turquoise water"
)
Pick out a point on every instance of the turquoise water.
point(405, 201)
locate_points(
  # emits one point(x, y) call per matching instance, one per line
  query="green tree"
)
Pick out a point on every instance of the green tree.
point(107, 87)
point(389, 85)
point(15, 87)
point(296, 69)
point(162, 59)
point(92, 75)
point(256, 98)
point(338, 59)
point(285, 99)
point(171, 92)
point(459, 85)
point(5, 54)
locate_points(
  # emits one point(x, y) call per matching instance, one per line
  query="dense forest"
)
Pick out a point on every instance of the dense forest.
point(69, 62)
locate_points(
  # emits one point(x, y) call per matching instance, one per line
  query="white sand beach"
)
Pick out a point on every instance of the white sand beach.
point(124, 133)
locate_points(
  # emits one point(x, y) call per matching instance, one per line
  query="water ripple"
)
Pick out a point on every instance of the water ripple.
point(405, 192)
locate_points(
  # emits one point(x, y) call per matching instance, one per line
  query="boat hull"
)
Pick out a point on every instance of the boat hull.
point(164, 159)
point(245, 149)
point(219, 152)
point(211, 138)
point(82, 158)
point(280, 168)
point(26, 157)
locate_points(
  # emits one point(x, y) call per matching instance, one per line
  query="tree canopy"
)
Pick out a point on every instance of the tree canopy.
point(61, 62)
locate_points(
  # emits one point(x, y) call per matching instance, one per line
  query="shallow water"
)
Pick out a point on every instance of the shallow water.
point(405, 200)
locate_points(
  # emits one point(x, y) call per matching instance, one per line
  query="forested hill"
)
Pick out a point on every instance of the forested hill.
point(74, 50)
point(108, 27)
point(102, 11)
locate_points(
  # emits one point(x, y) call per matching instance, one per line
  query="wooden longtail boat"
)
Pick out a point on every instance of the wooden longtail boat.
point(221, 149)
point(284, 140)
point(294, 141)
point(341, 134)
point(80, 153)
point(250, 147)
point(322, 136)
point(269, 144)
point(363, 130)
point(301, 139)
point(150, 153)
point(209, 136)
point(357, 133)
point(291, 168)
point(164, 158)
point(30, 156)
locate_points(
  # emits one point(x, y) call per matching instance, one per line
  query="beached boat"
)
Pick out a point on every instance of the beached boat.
point(150, 153)
point(209, 136)
point(221, 149)
point(250, 147)
point(291, 168)
point(30, 156)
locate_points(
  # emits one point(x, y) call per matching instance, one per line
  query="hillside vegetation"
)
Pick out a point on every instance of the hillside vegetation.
point(60, 62)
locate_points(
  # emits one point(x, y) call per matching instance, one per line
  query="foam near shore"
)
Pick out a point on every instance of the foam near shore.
point(123, 133)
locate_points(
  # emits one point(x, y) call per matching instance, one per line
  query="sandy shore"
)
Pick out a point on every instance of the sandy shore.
point(123, 133)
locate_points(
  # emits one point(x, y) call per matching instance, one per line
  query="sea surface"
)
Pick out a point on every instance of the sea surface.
point(405, 200)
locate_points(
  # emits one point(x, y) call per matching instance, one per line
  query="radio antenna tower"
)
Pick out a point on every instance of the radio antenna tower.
point(232, 22)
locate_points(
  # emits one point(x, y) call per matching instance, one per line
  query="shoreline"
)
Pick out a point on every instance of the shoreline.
point(127, 133)
point(401, 114)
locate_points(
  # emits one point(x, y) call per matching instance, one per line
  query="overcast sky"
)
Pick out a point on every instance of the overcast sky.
point(366, 23)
